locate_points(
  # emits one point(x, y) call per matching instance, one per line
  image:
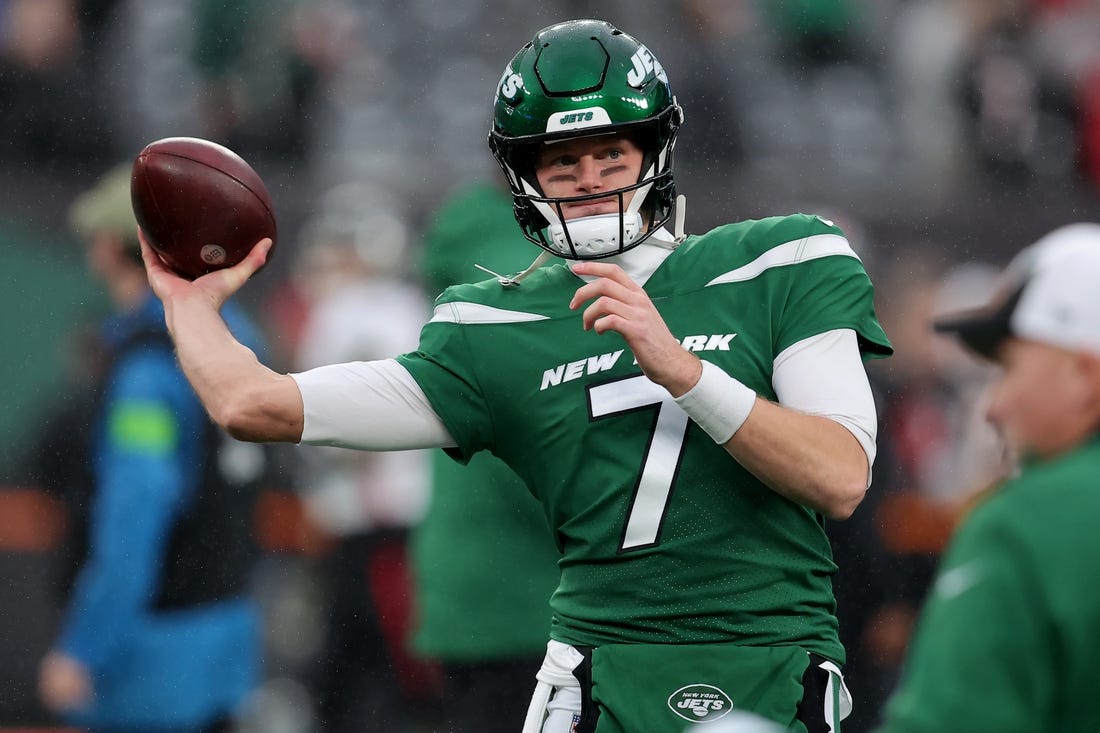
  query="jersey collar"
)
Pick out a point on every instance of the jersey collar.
point(642, 261)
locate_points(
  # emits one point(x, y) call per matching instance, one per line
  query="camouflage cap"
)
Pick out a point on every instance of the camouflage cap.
point(106, 207)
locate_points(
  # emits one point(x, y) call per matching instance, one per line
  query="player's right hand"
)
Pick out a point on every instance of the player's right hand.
point(217, 286)
point(614, 302)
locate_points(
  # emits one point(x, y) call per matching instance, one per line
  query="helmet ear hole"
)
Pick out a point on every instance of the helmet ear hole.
point(517, 161)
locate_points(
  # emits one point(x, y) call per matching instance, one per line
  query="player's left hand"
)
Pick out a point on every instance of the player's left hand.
point(64, 683)
point(619, 304)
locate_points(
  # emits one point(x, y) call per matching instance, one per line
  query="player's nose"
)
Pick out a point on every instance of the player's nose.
point(588, 173)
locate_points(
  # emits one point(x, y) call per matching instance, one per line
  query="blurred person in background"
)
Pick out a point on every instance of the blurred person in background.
point(1007, 638)
point(815, 32)
point(688, 504)
point(359, 307)
point(1067, 44)
point(484, 596)
point(159, 633)
point(935, 454)
point(49, 76)
point(932, 394)
point(264, 66)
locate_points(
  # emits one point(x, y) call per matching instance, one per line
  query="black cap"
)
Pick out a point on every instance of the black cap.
point(984, 329)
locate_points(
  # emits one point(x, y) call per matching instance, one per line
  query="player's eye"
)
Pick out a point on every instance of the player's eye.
point(558, 161)
point(611, 155)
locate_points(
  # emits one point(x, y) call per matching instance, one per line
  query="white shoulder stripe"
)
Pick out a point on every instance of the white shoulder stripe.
point(463, 312)
point(790, 253)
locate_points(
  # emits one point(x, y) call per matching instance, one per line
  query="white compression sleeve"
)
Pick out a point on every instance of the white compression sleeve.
point(369, 405)
point(824, 375)
point(377, 405)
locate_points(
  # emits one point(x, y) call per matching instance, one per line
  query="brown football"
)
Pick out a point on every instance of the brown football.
point(200, 205)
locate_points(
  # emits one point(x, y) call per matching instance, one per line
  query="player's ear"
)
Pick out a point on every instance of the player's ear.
point(1087, 365)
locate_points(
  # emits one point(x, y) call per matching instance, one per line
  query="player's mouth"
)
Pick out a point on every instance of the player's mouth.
point(591, 208)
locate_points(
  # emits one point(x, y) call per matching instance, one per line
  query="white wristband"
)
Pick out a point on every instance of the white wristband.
point(718, 403)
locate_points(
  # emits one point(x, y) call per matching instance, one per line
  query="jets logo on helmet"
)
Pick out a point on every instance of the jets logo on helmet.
point(510, 84)
point(644, 64)
point(586, 77)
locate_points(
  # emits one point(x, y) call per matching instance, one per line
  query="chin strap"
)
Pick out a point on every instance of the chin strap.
point(681, 214)
point(514, 280)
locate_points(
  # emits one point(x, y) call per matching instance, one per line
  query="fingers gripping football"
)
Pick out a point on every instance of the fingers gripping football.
point(217, 286)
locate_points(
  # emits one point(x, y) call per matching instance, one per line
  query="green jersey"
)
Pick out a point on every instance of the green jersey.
point(1007, 641)
point(664, 537)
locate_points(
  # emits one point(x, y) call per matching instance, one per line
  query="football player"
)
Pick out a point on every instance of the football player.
point(687, 409)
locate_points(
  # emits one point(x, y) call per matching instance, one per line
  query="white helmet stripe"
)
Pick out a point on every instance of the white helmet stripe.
point(542, 207)
point(640, 193)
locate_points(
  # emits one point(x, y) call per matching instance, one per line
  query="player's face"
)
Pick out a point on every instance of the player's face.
point(587, 165)
point(1038, 400)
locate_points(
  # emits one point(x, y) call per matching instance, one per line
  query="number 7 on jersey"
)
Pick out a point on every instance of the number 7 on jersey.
point(661, 461)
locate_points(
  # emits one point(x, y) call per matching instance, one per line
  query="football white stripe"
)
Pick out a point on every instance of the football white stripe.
point(463, 312)
point(789, 253)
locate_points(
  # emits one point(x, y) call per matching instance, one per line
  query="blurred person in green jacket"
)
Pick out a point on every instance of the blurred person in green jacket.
point(484, 595)
point(1008, 635)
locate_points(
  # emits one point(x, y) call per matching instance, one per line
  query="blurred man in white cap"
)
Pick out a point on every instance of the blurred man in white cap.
point(1008, 637)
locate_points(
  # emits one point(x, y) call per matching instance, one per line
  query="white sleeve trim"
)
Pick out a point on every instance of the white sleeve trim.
point(824, 375)
point(368, 405)
point(813, 247)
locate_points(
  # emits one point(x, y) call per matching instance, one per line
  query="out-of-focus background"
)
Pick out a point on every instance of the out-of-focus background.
point(942, 135)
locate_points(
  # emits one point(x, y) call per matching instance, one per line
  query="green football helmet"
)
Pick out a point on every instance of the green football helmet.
point(577, 79)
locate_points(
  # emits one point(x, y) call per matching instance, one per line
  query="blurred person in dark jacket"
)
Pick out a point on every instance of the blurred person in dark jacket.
point(51, 86)
point(159, 633)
